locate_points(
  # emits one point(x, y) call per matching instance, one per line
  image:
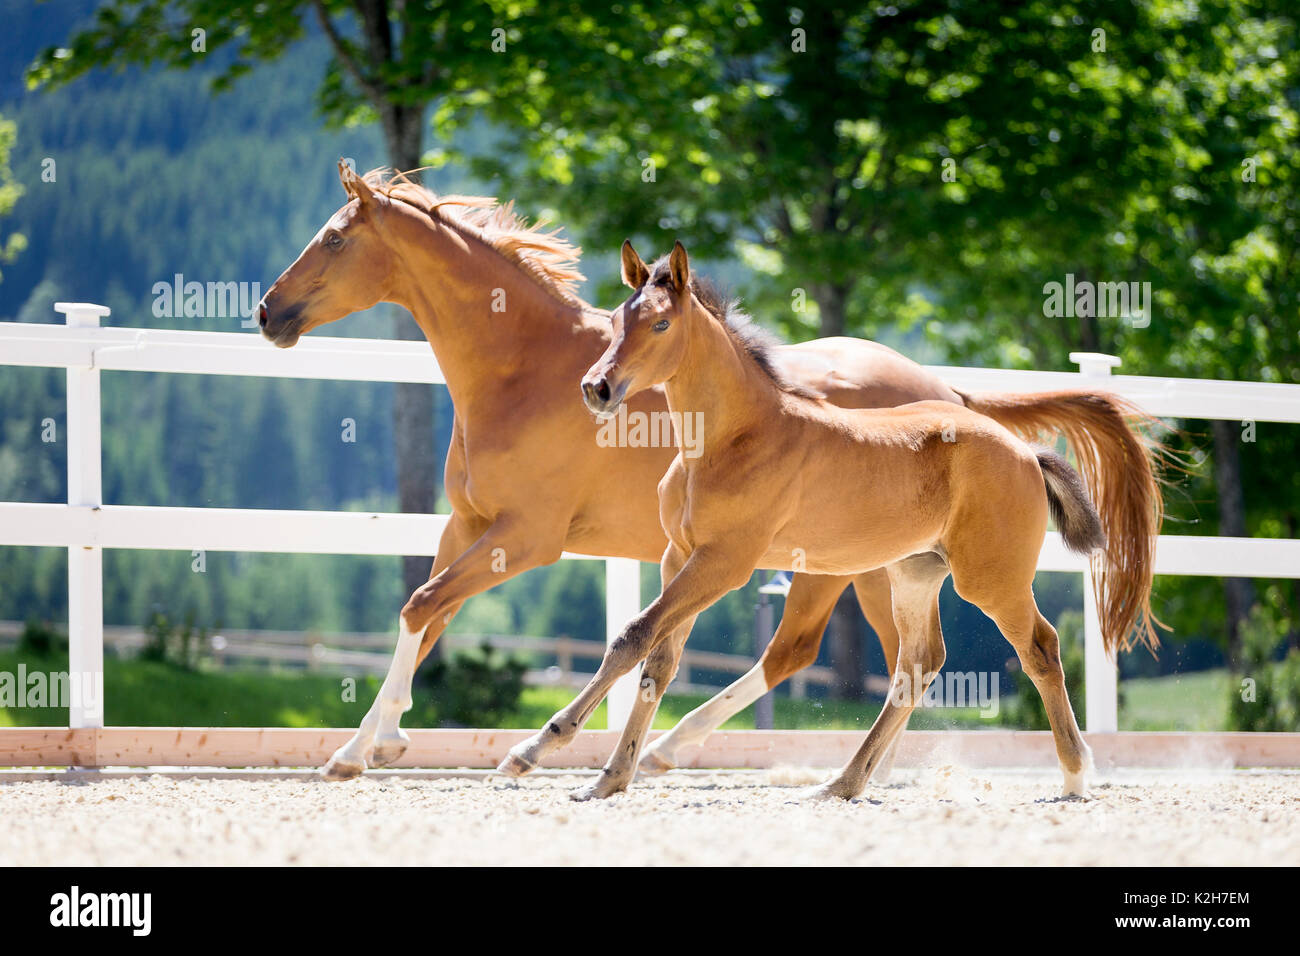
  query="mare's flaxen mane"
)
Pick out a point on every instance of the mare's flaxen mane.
point(546, 256)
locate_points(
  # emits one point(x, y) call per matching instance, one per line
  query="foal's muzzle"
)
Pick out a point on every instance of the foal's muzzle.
point(602, 398)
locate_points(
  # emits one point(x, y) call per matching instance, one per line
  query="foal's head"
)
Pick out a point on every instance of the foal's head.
point(649, 331)
point(344, 269)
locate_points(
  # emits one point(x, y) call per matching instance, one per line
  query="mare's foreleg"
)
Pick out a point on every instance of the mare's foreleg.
point(500, 552)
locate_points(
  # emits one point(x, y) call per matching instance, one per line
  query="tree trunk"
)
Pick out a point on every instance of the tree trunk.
point(1089, 330)
point(832, 302)
point(848, 639)
point(1239, 593)
point(413, 408)
point(1293, 636)
point(845, 630)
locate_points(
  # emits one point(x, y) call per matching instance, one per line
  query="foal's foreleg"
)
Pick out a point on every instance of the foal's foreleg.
point(793, 647)
point(916, 582)
point(501, 552)
point(657, 673)
point(704, 578)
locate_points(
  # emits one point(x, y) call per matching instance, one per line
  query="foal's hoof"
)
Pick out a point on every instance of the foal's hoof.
point(830, 791)
point(603, 787)
point(389, 750)
point(515, 765)
point(653, 764)
point(341, 769)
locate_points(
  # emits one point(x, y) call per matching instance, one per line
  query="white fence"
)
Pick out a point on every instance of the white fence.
point(85, 525)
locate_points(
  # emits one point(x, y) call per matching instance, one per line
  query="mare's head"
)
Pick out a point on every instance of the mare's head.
point(346, 267)
point(650, 331)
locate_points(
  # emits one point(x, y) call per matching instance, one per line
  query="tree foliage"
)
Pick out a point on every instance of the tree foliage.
point(918, 172)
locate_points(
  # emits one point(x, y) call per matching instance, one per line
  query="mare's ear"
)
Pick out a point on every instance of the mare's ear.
point(679, 267)
point(635, 271)
point(354, 185)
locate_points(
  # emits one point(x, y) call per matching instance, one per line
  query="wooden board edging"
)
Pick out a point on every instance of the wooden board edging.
point(753, 749)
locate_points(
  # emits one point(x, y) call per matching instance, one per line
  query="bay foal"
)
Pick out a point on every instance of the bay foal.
point(788, 481)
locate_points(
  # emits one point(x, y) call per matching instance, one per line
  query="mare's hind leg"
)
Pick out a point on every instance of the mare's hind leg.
point(916, 582)
point(1039, 650)
point(808, 607)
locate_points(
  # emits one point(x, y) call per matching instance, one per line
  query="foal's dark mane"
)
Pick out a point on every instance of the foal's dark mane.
point(754, 340)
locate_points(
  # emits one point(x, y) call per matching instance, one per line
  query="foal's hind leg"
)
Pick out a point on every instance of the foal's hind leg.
point(1039, 650)
point(706, 576)
point(794, 646)
point(876, 599)
point(916, 582)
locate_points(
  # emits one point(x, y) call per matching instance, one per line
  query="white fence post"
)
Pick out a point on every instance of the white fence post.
point(1100, 673)
point(85, 563)
point(622, 603)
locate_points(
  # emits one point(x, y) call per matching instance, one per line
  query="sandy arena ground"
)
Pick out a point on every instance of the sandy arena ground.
point(945, 815)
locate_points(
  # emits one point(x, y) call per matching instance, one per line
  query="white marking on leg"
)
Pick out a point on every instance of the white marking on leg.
point(395, 694)
point(696, 726)
point(1076, 783)
point(393, 700)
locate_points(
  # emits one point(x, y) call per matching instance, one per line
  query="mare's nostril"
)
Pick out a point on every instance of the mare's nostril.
point(602, 391)
point(261, 314)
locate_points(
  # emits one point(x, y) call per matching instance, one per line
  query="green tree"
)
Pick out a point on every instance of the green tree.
point(934, 164)
point(391, 62)
point(1212, 226)
point(10, 190)
point(846, 155)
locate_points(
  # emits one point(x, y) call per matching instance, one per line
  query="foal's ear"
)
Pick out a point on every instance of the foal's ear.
point(679, 267)
point(354, 185)
point(635, 272)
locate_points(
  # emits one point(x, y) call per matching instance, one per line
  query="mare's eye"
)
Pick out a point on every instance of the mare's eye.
point(333, 240)
point(660, 326)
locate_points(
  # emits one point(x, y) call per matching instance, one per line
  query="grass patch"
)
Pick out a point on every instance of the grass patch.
point(155, 694)
point(1197, 701)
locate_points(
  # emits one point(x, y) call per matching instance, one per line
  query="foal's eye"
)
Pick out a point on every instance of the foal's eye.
point(660, 326)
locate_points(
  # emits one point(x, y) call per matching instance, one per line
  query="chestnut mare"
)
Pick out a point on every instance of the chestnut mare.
point(525, 475)
point(786, 481)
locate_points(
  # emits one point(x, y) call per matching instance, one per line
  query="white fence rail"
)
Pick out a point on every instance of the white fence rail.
point(85, 525)
point(363, 653)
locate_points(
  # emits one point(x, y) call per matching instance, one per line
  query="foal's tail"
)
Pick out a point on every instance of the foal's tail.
point(1072, 510)
point(1116, 460)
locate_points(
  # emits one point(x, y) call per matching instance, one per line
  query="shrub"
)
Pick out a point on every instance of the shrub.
point(41, 639)
point(1268, 697)
point(475, 688)
point(176, 644)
